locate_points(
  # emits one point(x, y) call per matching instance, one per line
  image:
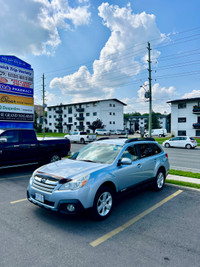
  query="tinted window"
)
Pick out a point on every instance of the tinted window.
point(28, 136)
point(11, 136)
point(155, 149)
point(145, 150)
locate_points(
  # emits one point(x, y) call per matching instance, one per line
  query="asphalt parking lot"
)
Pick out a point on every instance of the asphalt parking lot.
point(146, 228)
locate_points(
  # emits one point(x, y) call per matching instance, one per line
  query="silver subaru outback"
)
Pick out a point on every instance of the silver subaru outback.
point(92, 177)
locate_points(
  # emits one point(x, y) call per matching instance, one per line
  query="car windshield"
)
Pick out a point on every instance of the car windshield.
point(98, 152)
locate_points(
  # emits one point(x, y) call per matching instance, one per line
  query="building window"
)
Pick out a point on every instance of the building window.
point(69, 110)
point(110, 105)
point(110, 122)
point(114, 113)
point(87, 114)
point(197, 132)
point(49, 109)
point(110, 113)
point(69, 119)
point(49, 116)
point(94, 113)
point(113, 105)
point(75, 123)
point(50, 124)
point(113, 122)
point(87, 123)
point(54, 116)
point(180, 120)
point(181, 105)
point(65, 115)
point(182, 133)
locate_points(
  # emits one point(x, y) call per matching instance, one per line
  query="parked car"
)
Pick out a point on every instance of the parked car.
point(113, 132)
point(92, 177)
point(157, 132)
point(102, 132)
point(81, 137)
point(181, 141)
point(21, 147)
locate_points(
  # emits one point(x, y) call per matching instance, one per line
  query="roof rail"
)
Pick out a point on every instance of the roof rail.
point(139, 139)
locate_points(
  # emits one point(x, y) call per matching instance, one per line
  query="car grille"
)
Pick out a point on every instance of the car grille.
point(44, 184)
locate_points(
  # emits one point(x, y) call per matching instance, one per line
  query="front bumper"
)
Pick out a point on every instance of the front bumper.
point(61, 205)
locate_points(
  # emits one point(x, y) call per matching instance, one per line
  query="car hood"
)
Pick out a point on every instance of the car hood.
point(70, 168)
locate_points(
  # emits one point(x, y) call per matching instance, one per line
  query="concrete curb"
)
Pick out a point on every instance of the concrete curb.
point(183, 179)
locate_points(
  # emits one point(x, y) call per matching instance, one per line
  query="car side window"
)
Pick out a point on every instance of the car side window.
point(155, 149)
point(11, 136)
point(27, 136)
point(131, 153)
point(145, 150)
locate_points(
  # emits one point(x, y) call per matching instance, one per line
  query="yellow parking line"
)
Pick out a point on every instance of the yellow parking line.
point(105, 237)
point(17, 201)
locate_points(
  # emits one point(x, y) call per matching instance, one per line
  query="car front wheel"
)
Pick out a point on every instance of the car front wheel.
point(103, 203)
point(160, 180)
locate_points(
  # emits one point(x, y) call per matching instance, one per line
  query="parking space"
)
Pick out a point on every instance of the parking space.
point(146, 228)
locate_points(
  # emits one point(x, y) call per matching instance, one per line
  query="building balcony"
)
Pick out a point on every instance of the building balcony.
point(80, 109)
point(80, 118)
point(196, 125)
point(59, 119)
point(196, 110)
point(59, 126)
point(80, 127)
point(60, 111)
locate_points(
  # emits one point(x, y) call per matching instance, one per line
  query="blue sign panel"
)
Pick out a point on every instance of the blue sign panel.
point(15, 90)
point(12, 60)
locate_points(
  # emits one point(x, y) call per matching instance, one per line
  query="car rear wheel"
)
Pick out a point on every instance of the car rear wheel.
point(103, 203)
point(54, 157)
point(167, 145)
point(160, 180)
point(82, 141)
point(188, 146)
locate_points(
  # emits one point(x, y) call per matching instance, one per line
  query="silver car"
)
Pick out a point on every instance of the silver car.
point(92, 177)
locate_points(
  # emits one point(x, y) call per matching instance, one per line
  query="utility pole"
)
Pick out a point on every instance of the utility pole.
point(43, 106)
point(150, 93)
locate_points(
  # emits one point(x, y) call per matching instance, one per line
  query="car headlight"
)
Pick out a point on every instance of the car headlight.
point(76, 183)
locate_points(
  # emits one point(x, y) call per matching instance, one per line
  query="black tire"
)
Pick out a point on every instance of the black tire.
point(54, 157)
point(103, 203)
point(167, 145)
point(82, 141)
point(159, 181)
point(188, 146)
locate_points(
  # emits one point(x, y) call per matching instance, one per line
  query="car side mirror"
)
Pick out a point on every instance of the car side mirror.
point(124, 161)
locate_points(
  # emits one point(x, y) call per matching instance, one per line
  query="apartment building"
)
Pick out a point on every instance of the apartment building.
point(78, 116)
point(134, 123)
point(185, 116)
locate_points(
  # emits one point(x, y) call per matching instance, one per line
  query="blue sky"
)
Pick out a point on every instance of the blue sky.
point(92, 50)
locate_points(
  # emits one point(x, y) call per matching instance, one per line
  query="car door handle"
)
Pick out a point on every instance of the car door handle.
point(139, 165)
point(16, 145)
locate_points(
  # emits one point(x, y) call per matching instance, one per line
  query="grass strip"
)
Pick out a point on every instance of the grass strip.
point(184, 173)
point(197, 186)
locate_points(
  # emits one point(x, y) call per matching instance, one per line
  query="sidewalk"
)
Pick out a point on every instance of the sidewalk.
point(183, 179)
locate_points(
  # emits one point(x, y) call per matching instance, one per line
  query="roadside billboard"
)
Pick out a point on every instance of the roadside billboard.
point(16, 93)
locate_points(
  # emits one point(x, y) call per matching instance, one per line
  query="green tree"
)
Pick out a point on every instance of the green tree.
point(155, 121)
point(98, 124)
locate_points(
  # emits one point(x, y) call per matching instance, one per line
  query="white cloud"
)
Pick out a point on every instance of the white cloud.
point(119, 59)
point(194, 93)
point(160, 95)
point(32, 26)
